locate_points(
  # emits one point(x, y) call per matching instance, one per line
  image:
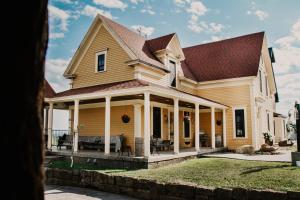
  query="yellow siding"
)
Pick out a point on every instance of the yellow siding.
point(91, 122)
point(231, 96)
point(205, 124)
point(116, 69)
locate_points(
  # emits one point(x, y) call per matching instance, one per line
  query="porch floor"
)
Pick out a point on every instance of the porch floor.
point(156, 157)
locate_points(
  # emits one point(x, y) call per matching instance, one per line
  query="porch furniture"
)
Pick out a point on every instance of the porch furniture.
point(124, 147)
point(65, 140)
point(97, 142)
point(158, 144)
point(203, 139)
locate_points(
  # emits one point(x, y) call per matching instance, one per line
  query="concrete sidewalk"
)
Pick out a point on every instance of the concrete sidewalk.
point(283, 156)
point(74, 193)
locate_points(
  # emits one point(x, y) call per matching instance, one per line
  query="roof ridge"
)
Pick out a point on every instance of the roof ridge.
point(232, 38)
point(161, 36)
point(128, 29)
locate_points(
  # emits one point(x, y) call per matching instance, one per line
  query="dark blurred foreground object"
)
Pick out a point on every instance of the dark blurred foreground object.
point(24, 43)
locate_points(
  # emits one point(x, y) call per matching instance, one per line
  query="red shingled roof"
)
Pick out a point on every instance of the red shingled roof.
point(48, 90)
point(231, 58)
point(105, 87)
point(160, 42)
point(135, 42)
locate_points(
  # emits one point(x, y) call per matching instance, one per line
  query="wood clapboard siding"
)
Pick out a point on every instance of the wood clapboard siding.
point(116, 69)
point(205, 124)
point(231, 96)
point(92, 122)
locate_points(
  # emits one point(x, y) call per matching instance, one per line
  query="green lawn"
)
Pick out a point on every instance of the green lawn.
point(214, 172)
point(229, 173)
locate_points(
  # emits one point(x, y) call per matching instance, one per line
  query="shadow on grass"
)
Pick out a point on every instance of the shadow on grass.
point(262, 168)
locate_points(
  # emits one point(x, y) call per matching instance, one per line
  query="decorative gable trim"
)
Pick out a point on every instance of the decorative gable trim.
point(73, 65)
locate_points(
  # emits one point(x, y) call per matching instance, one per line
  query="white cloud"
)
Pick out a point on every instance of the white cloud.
point(148, 9)
point(54, 73)
point(56, 35)
point(198, 26)
point(289, 91)
point(287, 59)
point(59, 16)
point(91, 11)
point(136, 1)
point(296, 30)
point(262, 15)
point(143, 29)
point(197, 8)
point(118, 4)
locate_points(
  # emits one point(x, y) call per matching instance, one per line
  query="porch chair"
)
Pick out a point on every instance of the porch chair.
point(124, 146)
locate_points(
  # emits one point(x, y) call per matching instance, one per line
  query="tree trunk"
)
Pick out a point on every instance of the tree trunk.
point(24, 45)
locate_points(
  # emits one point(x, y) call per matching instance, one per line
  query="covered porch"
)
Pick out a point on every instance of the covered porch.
point(145, 115)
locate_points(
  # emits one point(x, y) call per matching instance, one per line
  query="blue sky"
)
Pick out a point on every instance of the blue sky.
point(195, 22)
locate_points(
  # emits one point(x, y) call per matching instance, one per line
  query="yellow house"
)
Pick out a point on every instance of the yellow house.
point(220, 94)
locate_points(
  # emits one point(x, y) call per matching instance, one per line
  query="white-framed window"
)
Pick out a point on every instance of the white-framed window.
point(266, 85)
point(172, 68)
point(240, 122)
point(260, 81)
point(100, 61)
point(186, 125)
point(268, 121)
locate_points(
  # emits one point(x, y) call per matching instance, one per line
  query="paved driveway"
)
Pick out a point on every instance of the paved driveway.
point(283, 156)
point(74, 193)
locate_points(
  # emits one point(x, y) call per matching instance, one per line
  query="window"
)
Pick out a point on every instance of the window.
point(240, 123)
point(268, 120)
point(267, 93)
point(260, 81)
point(101, 61)
point(172, 67)
point(186, 124)
point(156, 122)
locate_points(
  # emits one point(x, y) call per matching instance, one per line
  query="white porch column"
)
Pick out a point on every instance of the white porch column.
point(197, 146)
point(137, 120)
point(176, 125)
point(169, 124)
point(107, 125)
point(213, 128)
point(224, 129)
point(50, 123)
point(147, 124)
point(75, 124)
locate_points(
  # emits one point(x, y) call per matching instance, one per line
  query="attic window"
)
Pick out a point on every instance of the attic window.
point(172, 67)
point(100, 61)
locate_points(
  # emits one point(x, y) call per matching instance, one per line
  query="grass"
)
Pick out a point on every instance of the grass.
point(213, 172)
point(228, 173)
point(60, 164)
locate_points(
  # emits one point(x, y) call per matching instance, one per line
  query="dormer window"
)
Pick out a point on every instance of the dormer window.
point(172, 67)
point(101, 61)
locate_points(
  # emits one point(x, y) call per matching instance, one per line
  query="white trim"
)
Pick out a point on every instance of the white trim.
point(245, 120)
point(161, 91)
point(82, 44)
point(96, 61)
point(226, 82)
point(253, 118)
point(183, 133)
point(161, 122)
point(169, 124)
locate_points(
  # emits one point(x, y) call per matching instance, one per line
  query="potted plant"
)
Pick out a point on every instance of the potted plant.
point(268, 138)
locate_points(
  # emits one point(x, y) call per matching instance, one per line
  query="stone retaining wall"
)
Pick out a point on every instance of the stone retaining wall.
point(146, 189)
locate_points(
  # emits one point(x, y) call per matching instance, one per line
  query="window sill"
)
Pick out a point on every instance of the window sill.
point(100, 72)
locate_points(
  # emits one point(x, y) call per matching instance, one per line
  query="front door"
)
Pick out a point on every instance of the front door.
point(156, 122)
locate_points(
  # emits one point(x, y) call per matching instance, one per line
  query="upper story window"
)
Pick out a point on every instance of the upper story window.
point(260, 81)
point(240, 122)
point(101, 61)
point(172, 67)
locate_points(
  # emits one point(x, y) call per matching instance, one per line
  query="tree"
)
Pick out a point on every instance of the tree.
point(24, 44)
